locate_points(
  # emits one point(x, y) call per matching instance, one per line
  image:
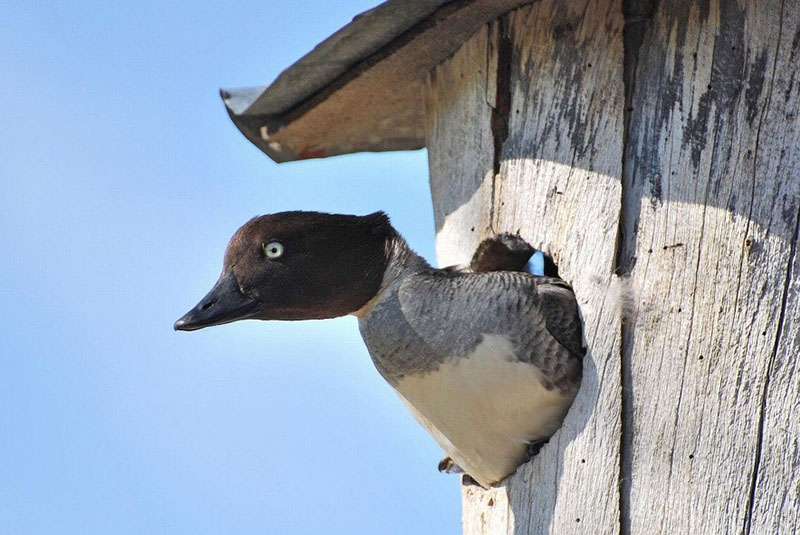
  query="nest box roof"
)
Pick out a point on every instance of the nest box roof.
point(361, 89)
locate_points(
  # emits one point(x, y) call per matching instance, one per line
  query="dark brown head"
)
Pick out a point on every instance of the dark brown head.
point(508, 252)
point(296, 266)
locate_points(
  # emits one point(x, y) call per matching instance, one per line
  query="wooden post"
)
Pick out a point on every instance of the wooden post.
point(712, 178)
point(664, 148)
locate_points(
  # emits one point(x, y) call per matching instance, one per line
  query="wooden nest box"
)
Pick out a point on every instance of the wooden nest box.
point(655, 150)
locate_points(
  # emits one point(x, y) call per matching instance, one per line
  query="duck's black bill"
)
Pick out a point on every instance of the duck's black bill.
point(223, 304)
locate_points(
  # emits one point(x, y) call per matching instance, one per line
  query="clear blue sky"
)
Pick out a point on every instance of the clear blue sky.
point(122, 180)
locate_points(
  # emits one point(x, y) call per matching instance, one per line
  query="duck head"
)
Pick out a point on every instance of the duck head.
point(297, 266)
point(509, 252)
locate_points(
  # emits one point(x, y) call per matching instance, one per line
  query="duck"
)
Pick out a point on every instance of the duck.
point(487, 356)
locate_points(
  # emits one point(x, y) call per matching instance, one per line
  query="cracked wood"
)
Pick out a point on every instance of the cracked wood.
point(712, 164)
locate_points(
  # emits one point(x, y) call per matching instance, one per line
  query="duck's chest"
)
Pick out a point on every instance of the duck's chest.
point(484, 407)
point(487, 392)
point(402, 346)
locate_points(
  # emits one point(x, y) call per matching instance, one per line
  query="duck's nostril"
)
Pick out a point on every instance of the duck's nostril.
point(208, 305)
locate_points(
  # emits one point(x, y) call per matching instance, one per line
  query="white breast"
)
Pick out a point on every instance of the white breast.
point(483, 409)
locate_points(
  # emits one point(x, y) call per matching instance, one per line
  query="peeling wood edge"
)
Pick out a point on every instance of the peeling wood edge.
point(501, 107)
point(764, 394)
point(636, 15)
point(502, 104)
point(248, 125)
point(751, 499)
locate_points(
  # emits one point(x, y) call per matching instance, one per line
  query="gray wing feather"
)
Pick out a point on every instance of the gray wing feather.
point(539, 314)
point(561, 313)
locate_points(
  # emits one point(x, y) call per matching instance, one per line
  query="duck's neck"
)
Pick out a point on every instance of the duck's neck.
point(396, 349)
point(401, 261)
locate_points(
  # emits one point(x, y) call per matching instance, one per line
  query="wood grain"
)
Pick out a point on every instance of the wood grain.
point(459, 101)
point(711, 223)
point(775, 499)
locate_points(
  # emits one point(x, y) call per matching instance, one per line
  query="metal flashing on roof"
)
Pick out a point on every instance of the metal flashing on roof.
point(362, 88)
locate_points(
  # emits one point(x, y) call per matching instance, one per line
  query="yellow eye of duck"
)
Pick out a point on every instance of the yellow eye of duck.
point(273, 249)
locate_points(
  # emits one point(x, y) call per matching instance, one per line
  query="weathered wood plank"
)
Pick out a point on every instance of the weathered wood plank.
point(460, 145)
point(711, 213)
point(558, 183)
point(776, 494)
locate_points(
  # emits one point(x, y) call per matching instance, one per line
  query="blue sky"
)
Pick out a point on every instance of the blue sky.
point(123, 179)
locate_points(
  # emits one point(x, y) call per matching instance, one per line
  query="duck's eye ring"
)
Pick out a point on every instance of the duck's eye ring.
point(273, 249)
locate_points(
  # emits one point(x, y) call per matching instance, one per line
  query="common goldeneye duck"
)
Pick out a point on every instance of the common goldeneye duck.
point(487, 357)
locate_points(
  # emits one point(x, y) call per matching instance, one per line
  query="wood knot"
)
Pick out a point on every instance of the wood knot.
point(563, 29)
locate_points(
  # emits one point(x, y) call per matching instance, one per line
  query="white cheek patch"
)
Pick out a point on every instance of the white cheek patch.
point(535, 265)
